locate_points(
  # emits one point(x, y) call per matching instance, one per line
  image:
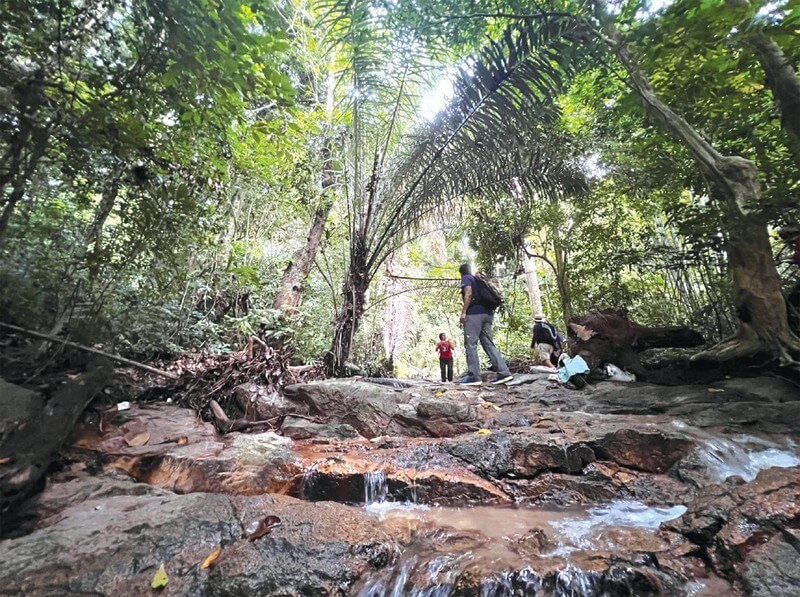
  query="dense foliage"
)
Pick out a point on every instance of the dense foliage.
point(164, 160)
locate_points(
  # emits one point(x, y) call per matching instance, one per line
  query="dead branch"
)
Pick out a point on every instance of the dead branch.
point(108, 355)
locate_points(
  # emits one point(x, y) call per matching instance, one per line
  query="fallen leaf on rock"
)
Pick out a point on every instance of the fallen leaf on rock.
point(491, 405)
point(262, 527)
point(438, 393)
point(160, 579)
point(139, 439)
point(484, 431)
point(212, 557)
point(183, 440)
point(5, 460)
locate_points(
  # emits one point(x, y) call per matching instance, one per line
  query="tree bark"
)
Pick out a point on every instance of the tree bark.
point(608, 336)
point(763, 322)
point(94, 232)
point(19, 183)
point(291, 290)
point(781, 77)
point(296, 272)
point(349, 317)
point(534, 291)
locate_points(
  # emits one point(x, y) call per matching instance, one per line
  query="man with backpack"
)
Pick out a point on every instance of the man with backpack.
point(546, 341)
point(479, 301)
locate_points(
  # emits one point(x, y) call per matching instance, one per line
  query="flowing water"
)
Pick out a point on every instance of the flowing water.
point(741, 455)
point(493, 550)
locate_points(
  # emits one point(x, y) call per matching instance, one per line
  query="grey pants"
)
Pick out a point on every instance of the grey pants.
point(478, 328)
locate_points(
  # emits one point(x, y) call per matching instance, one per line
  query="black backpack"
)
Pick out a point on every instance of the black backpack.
point(488, 295)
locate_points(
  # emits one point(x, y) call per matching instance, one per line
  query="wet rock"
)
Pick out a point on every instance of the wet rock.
point(259, 403)
point(770, 403)
point(654, 451)
point(773, 569)
point(184, 454)
point(369, 408)
point(297, 428)
point(114, 545)
point(730, 522)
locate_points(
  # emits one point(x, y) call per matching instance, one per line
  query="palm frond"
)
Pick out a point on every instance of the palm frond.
point(498, 128)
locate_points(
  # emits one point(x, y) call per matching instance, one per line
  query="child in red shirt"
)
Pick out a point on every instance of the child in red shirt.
point(445, 349)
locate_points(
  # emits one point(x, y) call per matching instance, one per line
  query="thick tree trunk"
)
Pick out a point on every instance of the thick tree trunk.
point(734, 181)
point(294, 276)
point(349, 317)
point(781, 78)
point(608, 336)
point(19, 183)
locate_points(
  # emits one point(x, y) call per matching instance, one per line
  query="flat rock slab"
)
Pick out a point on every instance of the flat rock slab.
point(110, 537)
point(113, 536)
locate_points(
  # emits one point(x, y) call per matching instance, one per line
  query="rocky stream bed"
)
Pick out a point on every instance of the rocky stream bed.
point(427, 489)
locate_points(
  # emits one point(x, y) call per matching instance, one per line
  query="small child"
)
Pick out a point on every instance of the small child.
point(445, 349)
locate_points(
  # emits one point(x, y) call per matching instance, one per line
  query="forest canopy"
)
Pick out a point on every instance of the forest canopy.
point(178, 175)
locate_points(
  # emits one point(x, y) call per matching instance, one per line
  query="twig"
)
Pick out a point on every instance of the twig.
point(113, 357)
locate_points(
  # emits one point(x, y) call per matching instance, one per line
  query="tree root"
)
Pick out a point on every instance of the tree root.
point(748, 345)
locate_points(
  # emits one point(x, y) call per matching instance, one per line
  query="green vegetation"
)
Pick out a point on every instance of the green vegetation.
point(177, 174)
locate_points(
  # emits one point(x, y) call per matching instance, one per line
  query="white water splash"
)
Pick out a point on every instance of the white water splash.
point(728, 458)
point(581, 532)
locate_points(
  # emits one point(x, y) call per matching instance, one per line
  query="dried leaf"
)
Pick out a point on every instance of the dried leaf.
point(491, 405)
point(484, 431)
point(183, 440)
point(5, 460)
point(438, 393)
point(264, 527)
point(160, 579)
point(139, 439)
point(212, 557)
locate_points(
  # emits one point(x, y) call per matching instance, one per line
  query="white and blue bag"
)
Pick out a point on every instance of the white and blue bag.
point(569, 366)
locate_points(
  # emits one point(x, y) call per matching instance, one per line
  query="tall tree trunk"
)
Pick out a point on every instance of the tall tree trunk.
point(781, 76)
point(19, 182)
point(761, 310)
point(349, 317)
point(534, 291)
point(296, 272)
point(562, 279)
point(94, 232)
point(291, 291)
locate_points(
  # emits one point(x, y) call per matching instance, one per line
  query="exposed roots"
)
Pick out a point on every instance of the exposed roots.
point(747, 345)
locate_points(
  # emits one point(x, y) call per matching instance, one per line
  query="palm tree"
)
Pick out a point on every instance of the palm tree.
point(495, 131)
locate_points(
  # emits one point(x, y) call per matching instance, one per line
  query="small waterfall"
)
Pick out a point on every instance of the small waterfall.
point(574, 582)
point(727, 458)
point(375, 488)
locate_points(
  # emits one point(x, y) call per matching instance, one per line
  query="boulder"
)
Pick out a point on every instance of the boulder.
point(299, 428)
point(113, 542)
point(369, 408)
point(169, 447)
point(259, 403)
point(748, 531)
